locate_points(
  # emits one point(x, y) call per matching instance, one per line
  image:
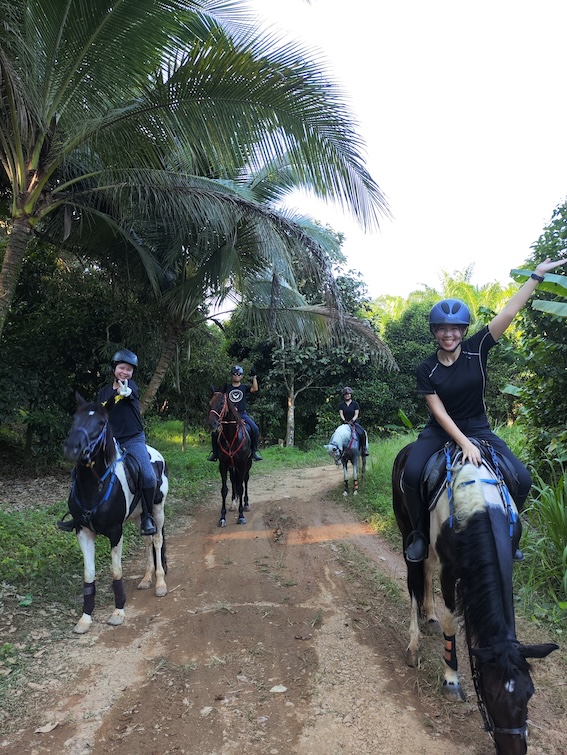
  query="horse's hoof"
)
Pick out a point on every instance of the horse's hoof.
point(117, 618)
point(412, 658)
point(222, 523)
point(345, 494)
point(433, 627)
point(355, 492)
point(145, 584)
point(241, 520)
point(82, 626)
point(161, 591)
point(453, 692)
point(246, 507)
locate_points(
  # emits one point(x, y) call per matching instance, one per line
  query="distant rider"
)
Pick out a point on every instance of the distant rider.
point(348, 412)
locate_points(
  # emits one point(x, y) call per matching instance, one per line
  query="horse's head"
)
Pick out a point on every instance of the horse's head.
point(89, 433)
point(505, 688)
point(334, 452)
point(218, 407)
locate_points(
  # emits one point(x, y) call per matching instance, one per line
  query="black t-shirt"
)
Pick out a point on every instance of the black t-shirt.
point(238, 395)
point(349, 410)
point(461, 387)
point(125, 417)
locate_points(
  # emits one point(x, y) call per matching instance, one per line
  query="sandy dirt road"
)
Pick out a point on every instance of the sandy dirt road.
point(285, 635)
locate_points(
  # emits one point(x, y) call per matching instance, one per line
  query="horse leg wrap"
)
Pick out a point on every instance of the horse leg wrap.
point(356, 484)
point(119, 594)
point(450, 654)
point(89, 592)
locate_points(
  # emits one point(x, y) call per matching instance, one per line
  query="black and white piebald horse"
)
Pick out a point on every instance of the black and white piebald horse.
point(472, 525)
point(105, 493)
point(343, 447)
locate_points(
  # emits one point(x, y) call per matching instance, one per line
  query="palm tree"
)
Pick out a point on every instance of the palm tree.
point(92, 96)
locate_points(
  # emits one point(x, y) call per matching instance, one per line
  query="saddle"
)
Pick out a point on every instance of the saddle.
point(132, 471)
point(435, 472)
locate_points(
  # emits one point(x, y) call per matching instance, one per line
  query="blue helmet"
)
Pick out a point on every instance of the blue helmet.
point(124, 355)
point(449, 312)
point(237, 370)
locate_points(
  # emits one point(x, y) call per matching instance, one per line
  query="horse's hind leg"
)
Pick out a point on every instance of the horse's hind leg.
point(86, 540)
point(345, 477)
point(355, 476)
point(246, 478)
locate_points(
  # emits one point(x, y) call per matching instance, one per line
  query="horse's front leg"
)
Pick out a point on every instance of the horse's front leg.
point(86, 540)
point(452, 689)
point(224, 492)
point(155, 556)
point(117, 616)
point(345, 476)
point(246, 503)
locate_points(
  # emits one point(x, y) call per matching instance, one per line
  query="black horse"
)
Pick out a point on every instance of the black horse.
point(471, 530)
point(105, 493)
point(235, 457)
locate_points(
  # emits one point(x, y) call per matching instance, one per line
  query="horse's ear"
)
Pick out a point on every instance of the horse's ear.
point(538, 651)
point(213, 389)
point(79, 399)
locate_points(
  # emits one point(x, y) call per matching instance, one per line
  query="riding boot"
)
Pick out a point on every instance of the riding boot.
point(417, 541)
point(254, 449)
point(66, 526)
point(214, 455)
point(147, 524)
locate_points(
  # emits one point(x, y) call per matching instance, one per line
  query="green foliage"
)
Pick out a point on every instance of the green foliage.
point(547, 517)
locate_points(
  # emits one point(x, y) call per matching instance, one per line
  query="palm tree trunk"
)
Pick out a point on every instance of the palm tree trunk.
point(168, 352)
point(290, 424)
point(11, 266)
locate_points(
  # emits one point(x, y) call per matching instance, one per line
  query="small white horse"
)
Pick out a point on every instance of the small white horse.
point(344, 447)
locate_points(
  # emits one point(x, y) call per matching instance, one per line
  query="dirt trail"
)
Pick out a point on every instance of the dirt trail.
point(286, 635)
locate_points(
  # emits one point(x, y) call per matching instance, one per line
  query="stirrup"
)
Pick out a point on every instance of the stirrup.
point(518, 555)
point(416, 551)
point(148, 526)
point(64, 526)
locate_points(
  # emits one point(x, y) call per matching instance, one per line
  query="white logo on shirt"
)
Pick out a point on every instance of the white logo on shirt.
point(236, 395)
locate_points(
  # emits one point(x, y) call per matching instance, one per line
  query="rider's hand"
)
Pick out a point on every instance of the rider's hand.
point(253, 372)
point(471, 453)
point(124, 389)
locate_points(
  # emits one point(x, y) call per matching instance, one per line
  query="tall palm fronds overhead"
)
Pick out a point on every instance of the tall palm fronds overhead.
point(137, 111)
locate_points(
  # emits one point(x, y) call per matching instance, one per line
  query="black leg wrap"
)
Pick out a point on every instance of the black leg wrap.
point(119, 594)
point(450, 654)
point(89, 592)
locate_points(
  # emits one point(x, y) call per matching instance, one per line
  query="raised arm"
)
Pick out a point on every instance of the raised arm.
point(504, 318)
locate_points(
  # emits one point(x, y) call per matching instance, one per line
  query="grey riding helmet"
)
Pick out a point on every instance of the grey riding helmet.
point(449, 312)
point(124, 355)
point(237, 370)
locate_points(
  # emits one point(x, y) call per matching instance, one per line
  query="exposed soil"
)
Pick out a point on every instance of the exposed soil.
point(284, 635)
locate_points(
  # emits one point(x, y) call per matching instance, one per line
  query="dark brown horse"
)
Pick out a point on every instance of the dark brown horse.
point(471, 529)
point(235, 458)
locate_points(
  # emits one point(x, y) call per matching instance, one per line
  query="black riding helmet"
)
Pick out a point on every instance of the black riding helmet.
point(237, 370)
point(449, 312)
point(124, 355)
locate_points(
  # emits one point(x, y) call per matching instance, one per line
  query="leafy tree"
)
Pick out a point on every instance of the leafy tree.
point(91, 135)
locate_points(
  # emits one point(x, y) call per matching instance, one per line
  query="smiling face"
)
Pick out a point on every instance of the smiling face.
point(123, 371)
point(449, 337)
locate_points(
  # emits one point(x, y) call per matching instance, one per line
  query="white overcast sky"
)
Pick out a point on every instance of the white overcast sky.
point(463, 110)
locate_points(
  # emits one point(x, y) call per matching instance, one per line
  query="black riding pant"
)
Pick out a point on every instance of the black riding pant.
point(433, 438)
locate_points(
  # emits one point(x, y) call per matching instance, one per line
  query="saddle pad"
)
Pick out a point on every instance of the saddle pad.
point(435, 472)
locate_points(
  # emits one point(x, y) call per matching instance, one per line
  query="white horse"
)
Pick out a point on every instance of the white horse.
point(343, 447)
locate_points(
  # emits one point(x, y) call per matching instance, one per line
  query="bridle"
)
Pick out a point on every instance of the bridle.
point(521, 731)
point(234, 445)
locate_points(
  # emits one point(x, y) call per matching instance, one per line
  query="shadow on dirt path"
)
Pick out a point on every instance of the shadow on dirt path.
point(285, 635)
